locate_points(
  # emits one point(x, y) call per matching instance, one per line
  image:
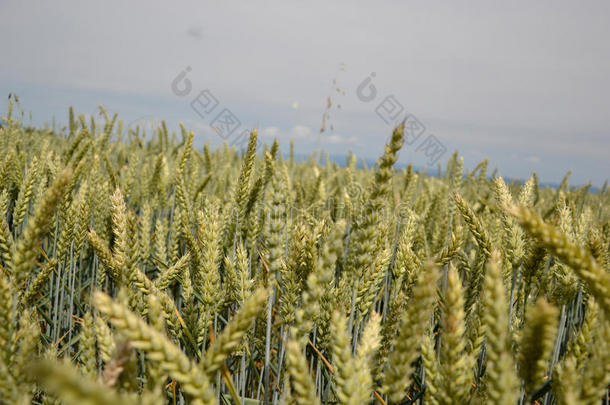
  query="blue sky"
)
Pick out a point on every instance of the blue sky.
point(524, 84)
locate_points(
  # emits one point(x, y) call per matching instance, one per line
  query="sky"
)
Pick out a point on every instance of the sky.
point(526, 84)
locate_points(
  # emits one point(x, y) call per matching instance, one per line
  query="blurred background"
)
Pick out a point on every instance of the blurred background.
point(525, 84)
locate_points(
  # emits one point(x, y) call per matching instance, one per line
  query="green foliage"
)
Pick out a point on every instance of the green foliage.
point(140, 269)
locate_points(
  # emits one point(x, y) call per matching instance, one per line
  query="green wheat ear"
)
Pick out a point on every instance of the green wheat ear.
point(26, 247)
point(302, 386)
point(455, 363)
point(536, 344)
point(413, 327)
point(168, 356)
point(565, 377)
point(501, 379)
point(6, 238)
point(65, 382)
point(579, 259)
point(230, 338)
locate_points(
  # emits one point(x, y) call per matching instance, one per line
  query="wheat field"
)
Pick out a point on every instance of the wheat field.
point(138, 268)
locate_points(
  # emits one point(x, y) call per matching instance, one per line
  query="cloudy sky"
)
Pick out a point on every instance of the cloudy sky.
point(526, 84)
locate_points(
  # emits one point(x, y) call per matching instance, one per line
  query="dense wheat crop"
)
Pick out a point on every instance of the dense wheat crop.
point(141, 269)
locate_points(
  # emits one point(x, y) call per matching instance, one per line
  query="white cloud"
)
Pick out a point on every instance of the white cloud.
point(270, 132)
point(300, 131)
point(533, 159)
point(198, 127)
point(336, 139)
point(296, 132)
